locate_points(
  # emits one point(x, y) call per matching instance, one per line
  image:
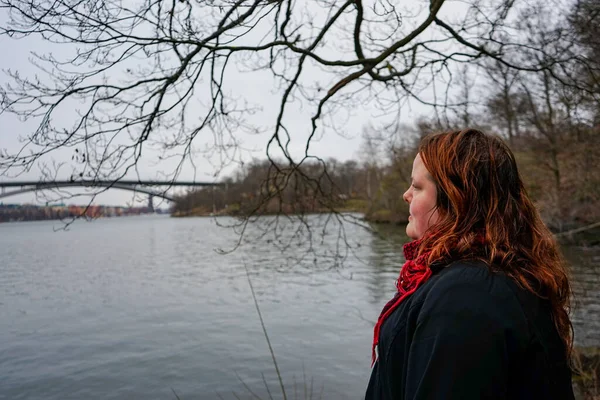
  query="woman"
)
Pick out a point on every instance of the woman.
point(481, 310)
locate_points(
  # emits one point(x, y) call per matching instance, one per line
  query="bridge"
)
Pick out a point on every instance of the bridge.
point(139, 186)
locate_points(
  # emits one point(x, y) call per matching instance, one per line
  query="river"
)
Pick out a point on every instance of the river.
point(145, 307)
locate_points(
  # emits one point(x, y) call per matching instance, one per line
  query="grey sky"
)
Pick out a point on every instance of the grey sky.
point(257, 88)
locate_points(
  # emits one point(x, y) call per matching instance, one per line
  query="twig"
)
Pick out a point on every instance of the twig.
point(266, 386)
point(582, 229)
point(246, 386)
point(262, 323)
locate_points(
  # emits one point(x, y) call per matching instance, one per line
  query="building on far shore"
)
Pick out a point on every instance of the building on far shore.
point(32, 212)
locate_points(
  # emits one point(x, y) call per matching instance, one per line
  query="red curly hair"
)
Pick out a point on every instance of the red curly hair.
point(485, 213)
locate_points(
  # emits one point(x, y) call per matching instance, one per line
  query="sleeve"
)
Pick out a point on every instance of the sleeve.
point(462, 343)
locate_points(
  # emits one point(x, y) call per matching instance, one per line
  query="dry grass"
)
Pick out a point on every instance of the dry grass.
point(587, 379)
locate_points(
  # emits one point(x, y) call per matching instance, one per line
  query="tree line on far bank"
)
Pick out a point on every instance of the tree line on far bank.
point(561, 173)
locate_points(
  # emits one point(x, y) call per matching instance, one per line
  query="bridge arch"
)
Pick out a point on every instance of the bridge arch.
point(112, 185)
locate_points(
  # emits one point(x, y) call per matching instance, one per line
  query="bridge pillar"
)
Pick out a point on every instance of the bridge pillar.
point(151, 202)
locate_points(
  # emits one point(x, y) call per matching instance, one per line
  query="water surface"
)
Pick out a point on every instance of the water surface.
point(138, 307)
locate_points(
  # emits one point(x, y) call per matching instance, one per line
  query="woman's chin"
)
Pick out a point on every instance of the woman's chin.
point(410, 232)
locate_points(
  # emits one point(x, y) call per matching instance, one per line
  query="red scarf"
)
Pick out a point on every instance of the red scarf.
point(413, 274)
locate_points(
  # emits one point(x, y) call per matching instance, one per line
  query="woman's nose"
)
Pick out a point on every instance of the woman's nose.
point(405, 196)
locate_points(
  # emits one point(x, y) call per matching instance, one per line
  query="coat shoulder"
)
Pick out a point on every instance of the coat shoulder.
point(472, 291)
point(474, 278)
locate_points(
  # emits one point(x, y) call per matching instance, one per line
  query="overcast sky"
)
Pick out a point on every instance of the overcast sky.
point(258, 88)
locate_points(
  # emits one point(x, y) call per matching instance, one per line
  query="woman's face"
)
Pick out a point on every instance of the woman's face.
point(421, 197)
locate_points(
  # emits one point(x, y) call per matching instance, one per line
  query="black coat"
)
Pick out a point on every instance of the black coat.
point(468, 333)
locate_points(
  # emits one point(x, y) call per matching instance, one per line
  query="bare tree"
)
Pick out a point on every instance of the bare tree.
point(504, 101)
point(168, 51)
point(546, 114)
point(139, 77)
point(584, 20)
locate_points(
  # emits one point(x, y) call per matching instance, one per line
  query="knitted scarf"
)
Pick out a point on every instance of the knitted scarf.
point(413, 274)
